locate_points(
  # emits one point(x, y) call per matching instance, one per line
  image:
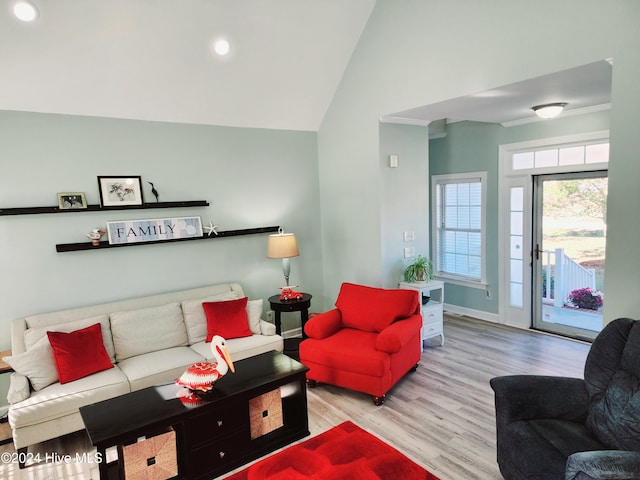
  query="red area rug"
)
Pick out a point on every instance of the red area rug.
point(345, 452)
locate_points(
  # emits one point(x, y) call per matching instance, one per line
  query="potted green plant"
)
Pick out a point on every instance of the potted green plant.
point(419, 271)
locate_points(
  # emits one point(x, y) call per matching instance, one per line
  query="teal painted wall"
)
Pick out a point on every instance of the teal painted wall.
point(404, 205)
point(251, 178)
point(473, 146)
point(420, 52)
point(330, 188)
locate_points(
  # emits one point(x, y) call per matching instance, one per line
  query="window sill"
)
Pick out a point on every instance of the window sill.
point(480, 285)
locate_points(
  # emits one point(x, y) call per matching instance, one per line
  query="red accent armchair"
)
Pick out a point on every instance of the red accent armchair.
point(367, 343)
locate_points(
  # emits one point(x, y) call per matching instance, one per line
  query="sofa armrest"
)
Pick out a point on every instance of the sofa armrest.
point(18, 329)
point(526, 397)
point(19, 388)
point(609, 464)
point(393, 338)
point(324, 325)
point(267, 328)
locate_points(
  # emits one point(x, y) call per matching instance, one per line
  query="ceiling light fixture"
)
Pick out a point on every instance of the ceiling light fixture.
point(549, 110)
point(25, 11)
point(222, 47)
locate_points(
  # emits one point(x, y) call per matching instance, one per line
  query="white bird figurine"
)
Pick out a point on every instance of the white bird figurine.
point(201, 376)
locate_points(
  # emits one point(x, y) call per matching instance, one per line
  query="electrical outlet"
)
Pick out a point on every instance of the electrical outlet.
point(270, 318)
point(488, 293)
point(409, 236)
point(409, 252)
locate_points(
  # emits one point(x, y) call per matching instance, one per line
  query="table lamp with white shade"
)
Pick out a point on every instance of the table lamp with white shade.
point(283, 245)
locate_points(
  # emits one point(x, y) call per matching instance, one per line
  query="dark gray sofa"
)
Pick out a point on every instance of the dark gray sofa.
point(557, 428)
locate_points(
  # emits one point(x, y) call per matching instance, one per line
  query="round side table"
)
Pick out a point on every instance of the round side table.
point(279, 306)
point(302, 306)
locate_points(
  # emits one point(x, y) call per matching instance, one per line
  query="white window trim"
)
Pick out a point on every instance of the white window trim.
point(506, 151)
point(507, 177)
point(447, 277)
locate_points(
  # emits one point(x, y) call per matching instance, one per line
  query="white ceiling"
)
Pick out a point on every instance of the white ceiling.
point(152, 59)
point(583, 88)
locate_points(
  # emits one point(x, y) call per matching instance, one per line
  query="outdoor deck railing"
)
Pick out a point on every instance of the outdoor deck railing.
point(567, 275)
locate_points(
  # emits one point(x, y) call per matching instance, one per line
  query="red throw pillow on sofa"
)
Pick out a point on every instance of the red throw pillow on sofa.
point(227, 318)
point(79, 353)
point(374, 309)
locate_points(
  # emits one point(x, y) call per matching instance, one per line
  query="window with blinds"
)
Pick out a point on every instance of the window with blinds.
point(459, 226)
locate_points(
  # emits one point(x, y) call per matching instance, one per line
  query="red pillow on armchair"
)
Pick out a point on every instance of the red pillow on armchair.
point(374, 309)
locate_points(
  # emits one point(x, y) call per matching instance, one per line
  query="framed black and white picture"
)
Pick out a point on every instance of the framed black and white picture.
point(118, 191)
point(71, 200)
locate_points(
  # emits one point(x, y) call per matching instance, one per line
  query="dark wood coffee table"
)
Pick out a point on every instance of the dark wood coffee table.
point(217, 435)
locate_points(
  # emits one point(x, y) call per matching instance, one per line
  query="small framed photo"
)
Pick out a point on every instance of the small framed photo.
point(119, 191)
point(71, 200)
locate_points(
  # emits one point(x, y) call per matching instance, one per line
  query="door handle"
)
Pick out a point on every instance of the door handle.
point(538, 251)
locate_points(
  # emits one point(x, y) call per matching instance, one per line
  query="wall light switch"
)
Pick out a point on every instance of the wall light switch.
point(409, 252)
point(393, 161)
point(409, 236)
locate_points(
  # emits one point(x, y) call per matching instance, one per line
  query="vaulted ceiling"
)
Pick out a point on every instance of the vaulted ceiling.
point(153, 59)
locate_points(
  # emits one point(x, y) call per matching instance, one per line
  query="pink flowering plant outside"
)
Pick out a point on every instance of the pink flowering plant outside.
point(586, 298)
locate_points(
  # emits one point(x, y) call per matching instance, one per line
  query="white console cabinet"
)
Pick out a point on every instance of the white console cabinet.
point(432, 311)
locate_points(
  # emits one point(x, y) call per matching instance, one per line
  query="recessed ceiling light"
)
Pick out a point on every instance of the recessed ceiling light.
point(222, 47)
point(25, 11)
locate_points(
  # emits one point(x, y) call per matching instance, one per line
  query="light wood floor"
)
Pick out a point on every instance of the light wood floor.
point(442, 416)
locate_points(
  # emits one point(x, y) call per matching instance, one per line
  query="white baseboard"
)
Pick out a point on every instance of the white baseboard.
point(470, 312)
point(292, 333)
point(450, 309)
point(481, 315)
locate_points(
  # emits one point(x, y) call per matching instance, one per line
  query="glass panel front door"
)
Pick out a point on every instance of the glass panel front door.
point(570, 228)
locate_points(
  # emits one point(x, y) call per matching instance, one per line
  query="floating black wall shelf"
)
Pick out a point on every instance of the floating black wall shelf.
point(98, 208)
point(72, 247)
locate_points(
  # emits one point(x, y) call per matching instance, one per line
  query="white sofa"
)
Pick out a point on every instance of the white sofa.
point(150, 340)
